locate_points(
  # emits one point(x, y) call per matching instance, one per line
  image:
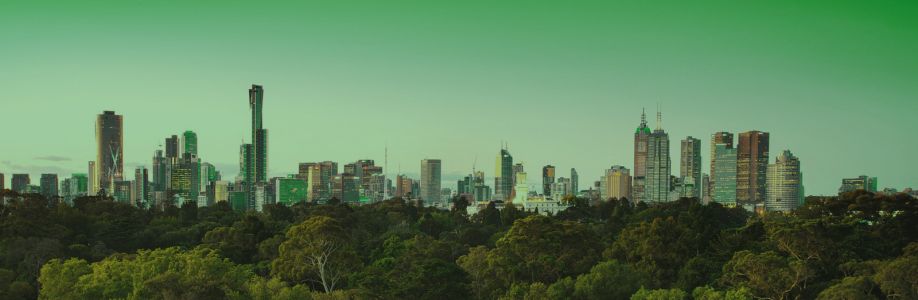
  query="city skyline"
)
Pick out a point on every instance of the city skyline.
point(568, 95)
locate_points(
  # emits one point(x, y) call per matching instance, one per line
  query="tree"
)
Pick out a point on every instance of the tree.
point(899, 278)
point(671, 294)
point(58, 278)
point(766, 274)
point(609, 280)
point(316, 251)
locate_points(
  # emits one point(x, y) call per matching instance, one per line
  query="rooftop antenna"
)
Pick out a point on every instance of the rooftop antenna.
point(659, 118)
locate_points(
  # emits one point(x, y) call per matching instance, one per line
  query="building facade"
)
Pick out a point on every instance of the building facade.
point(641, 139)
point(657, 183)
point(20, 182)
point(862, 182)
point(503, 175)
point(548, 177)
point(49, 186)
point(751, 166)
point(784, 183)
point(690, 167)
point(724, 176)
point(430, 181)
point(109, 148)
point(725, 138)
point(616, 183)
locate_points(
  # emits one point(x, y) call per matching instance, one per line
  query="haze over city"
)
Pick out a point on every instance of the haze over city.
point(562, 85)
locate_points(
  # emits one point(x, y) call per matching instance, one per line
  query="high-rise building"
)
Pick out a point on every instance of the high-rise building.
point(2, 182)
point(521, 189)
point(430, 180)
point(247, 172)
point(184, 179)
point(517, 168)
point(77, 186)
point(690, 167)
point(110, 148)
point(616, 183)
point(575, 182)
point(641, 139)
point(722, 137)
point(751, 166)
point(784, 183)
point(561, 189)
point(724, 176)
point(319, 177)
point(548, 177)
point(345, 188)
point(159, 172)
point(49, 186)
point(503, 176)
point(290, 191)
point(172, 147)
point(403, 187)
point(190, 142)
point(259, 134)
point(657, 183)
point(93, 184)
point(121, 191)
point(142, 191)
point(862, 182)
point(20, 182)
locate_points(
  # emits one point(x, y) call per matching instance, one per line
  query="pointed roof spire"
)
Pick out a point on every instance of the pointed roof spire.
point(659, 118)
point(643, 118)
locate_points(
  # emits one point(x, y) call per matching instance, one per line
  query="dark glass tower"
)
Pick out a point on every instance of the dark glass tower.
point(751, 167)
point(259, 134)
point(503, 181)
point(110, 150)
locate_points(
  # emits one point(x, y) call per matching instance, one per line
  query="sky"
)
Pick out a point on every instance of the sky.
point(562, 82)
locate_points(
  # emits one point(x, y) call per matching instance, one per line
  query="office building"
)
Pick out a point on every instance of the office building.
point(121, 191)
point(430, 181)
point(751, 166)
point(517, 168)
point(247, 172)
point(724, 176)
point(2, 182)
point(173, 147)
point(690, 167)
point(561, 189)
point(141, 197)
point(615, 184)
point(345, 188)
point(20, 183)
point(109, 148)
point(259, 134)
point(503, 175)
point(521, 189)
point(93, 184)
point(289, 191)
point(722, 137)
point(657, 183)
point(575, 182)
point(190, 142)
point(862, 182)
point(784, 183)
point(159, 172)
point(548, 177)
point(49, 186)
point(641, 139)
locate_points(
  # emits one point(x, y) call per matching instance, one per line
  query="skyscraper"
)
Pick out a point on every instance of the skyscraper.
point(190, 142)
point(724, 176)
point(751, 165)
point(49, 186)
point(159, 172)
point(784, 183)
point(2, 182)
point(690, 167)
point(172, 147)
point(259, 134)
point(93, 184)
point(575, 182)
point(616, 183)
point(247, 172)
point(20, 182)
point(657, 184)
point(430, 180)
point(517, 168)
point(503, 176)
point(641, 138)
point(110, 148)
point(722, 137)
point(548, 177)
point(183, 179)
point(141, 189)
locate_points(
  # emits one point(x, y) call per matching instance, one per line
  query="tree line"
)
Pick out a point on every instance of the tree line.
point(857, 245)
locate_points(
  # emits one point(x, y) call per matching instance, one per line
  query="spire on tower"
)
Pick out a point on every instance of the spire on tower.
point(659, 118)
point(643, 118)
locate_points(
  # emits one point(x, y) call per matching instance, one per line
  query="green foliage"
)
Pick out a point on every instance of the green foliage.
point(317, 251)
point(660, 294)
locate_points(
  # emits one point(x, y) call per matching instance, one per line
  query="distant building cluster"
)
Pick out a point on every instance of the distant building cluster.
point(740, 174)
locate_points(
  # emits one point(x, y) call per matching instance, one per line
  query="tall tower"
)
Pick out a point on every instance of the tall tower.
point(548, 178)
point(575, 180)
point(109, 149)
point(751, 166)
point(190, 142)
point(259, 134)
point(690, 166)
point(722, 137)
point(503, 175)
point(92, 183)
point(430, 180)
point(159, 172)
point(641, 137)
point(172, 148)
point(49, 186)
point(657, 182)
point(785, 183)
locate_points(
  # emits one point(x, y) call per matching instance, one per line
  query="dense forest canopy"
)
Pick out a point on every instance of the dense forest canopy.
point(858, 245)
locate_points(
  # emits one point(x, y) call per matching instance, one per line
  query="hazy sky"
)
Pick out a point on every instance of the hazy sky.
point(563, 82)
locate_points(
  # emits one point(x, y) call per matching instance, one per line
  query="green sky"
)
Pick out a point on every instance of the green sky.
point(563, 82)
